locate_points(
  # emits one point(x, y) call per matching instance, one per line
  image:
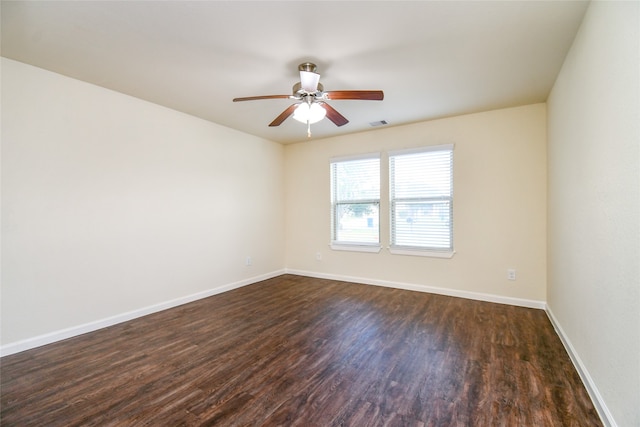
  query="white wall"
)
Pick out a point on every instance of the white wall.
point(111, 204)
point(594, 206)
point(499, 206)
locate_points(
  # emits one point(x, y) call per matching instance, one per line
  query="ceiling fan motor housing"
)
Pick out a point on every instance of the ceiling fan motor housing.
point(297, 89)
point(307, 66)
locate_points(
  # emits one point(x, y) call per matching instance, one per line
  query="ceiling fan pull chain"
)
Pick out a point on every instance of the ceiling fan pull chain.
point(308, 129)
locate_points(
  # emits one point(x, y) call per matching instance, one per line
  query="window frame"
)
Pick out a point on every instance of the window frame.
point(393, 200)
point(342, 245)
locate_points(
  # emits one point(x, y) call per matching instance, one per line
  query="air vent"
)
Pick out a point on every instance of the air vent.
point(378, 123)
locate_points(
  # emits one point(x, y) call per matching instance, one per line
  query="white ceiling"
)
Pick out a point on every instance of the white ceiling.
point(431, 58)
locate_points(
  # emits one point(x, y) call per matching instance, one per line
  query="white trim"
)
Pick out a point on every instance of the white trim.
point(418, 252)
point(355, 247)
point(605, 415)
point(73, 331)
point(520, 302)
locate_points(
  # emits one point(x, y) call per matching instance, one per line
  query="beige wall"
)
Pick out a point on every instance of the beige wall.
point(499, 205)
point(594, 205)
point(111, 204)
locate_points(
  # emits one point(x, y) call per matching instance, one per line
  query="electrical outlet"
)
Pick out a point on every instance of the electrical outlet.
point(511, 274)
point(248, 261)
point(318, 256)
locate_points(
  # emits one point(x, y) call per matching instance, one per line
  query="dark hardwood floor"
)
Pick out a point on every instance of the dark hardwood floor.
point(298, 351)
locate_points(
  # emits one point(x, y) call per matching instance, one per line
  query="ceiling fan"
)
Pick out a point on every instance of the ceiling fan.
point(311, 105)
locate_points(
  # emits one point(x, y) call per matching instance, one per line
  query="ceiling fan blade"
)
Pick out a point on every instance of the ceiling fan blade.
point(253, 98)
point(333, 115)
point(284, 115)
point(369, 95)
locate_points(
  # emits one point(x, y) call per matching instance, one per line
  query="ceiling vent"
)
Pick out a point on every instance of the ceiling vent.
point(378, 123)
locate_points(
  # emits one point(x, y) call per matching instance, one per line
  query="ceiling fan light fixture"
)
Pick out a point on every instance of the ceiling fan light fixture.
point(309, 81)
point(309, 113)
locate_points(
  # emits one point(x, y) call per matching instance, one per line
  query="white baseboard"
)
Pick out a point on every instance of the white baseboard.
point(605, 415)
point(55, 336)
point(424, 288)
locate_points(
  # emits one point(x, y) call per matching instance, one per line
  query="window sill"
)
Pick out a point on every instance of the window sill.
point(419, 252)
point(355, 248)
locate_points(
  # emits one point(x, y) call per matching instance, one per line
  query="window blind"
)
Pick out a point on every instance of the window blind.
point(421, 198)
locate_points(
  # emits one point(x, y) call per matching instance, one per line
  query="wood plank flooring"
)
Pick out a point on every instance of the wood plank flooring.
point(298, 351)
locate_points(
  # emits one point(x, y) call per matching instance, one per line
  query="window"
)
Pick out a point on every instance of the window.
point(355, 203)
point(421, 201)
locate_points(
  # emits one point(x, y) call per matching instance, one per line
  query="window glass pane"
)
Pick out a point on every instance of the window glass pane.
point(357, 180)
point(425, 174)
point(422, 224)
point(355, 200)
point(357, 223)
